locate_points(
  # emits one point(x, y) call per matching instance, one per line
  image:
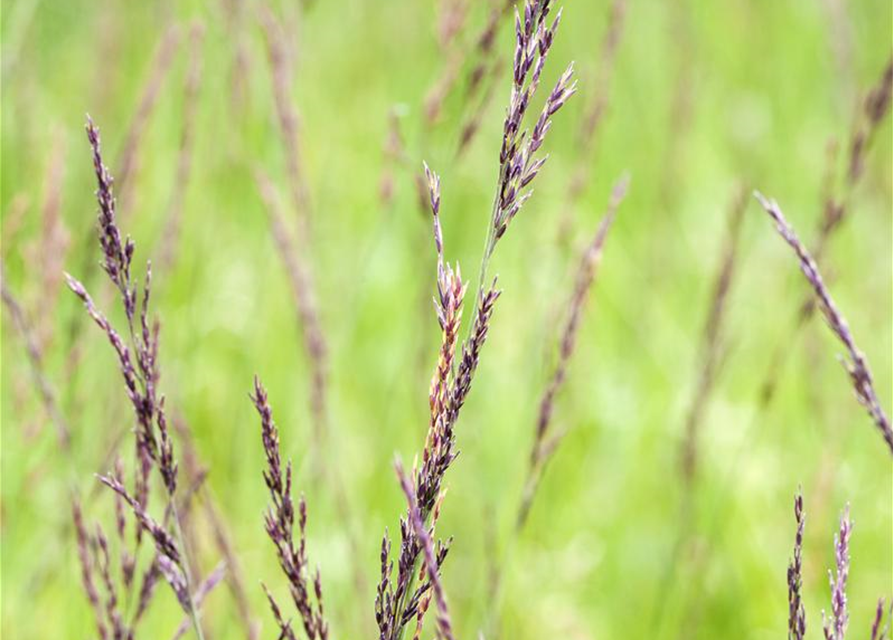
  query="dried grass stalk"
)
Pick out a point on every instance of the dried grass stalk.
point(545, 443)
point(597, 105)
point(35, 361)
point(164, 56)
point(711, 345)
point(304, 294)
point(289, 121)
point(191, 93)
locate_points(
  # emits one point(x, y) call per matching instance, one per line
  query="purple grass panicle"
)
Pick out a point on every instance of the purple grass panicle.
point(477, 48)
point(518, 158)
point(306, 591)
point(483, 77)
point(85, 544)
point(451, 19)
point(399, 599)
point(165, 544)
point(45, 256)
point(835, 625)
point(137, 359)
point(595, 110)
point(294, 241)
point(117, 252)
point(448, 304)
point(147, 589)
point(138, 362)
point(857, 366)
point(876, 631)
point(835, 210)
point(490, 73)
point(837, 200)
point(796, 610)
point(112, 608)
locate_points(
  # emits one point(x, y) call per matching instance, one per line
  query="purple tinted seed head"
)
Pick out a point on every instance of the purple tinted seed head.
point(876, 632)
point(857, 365)
point(399, 599)
point(796, 609)
point(835, 625)
point(444, 623)
point(164, 542)
point(137, 358)
point(147, 590)
point(84, 544)
point(279, 522)
point(175, 578)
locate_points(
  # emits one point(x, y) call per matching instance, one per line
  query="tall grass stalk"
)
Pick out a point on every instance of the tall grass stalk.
point(545, 443)
point(836, 207)
point(279, 520)
point(711, 352)
point(35, 360)
point(857, 365)
point(293, 241)
point(137, 358)
point(830, 221)
point(191, 93)
point(129, 154)
point(399, 599)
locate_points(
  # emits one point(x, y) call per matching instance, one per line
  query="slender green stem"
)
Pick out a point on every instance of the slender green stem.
point(489, 245)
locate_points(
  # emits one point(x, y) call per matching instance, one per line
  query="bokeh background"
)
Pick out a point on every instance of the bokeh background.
point(705, 97)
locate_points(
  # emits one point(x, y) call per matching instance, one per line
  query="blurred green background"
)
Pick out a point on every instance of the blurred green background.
point(705, 96)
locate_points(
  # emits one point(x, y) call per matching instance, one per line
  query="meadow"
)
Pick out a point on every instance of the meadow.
point(658, 381)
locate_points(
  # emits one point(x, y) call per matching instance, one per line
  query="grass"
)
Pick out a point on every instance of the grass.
point(703, 97)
